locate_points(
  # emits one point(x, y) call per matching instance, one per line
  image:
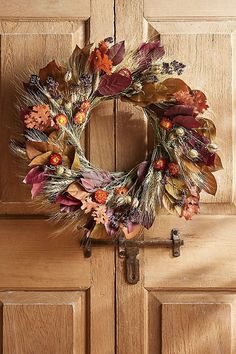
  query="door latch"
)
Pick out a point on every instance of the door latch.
point(129, 249)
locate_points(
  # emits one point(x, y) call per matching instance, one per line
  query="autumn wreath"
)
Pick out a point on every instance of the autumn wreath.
point(57, 107)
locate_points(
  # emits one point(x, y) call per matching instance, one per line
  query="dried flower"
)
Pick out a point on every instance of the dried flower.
point(99, 215)
point(101, 196)
point(121, 190)
point(79, 117)
point(99, 60)
point(38, 118)
point(88, 205)
point(173, 168)
point(55, 159)
point(61, 119)
point(166, 123)
point(159, 164)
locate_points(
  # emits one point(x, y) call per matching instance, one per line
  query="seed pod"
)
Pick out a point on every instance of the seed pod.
point(193, 153)
point(212, 147)
point(179, 132)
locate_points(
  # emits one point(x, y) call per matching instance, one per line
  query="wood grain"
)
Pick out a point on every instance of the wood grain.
point(101, 153)
point(191, 322)
point(189, 47)
point(44, 8)
point(182, 9)
point(32, 256)
point(182, 334)
point(39, 323)
point(207, 259)
point(18, 61)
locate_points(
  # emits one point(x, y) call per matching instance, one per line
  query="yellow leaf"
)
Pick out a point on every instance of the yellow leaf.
point(175, 187)
point(76, 162)
point(169, 204)
point(209, 181)
point(42, 159)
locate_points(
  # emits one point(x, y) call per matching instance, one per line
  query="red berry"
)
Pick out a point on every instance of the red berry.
point(55, 159)
point(173, 168)
point(100, 196)
point(159, 164)
point(166, 124)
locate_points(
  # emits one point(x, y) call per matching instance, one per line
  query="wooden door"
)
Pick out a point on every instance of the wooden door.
point(52, 299)
point(185, 305)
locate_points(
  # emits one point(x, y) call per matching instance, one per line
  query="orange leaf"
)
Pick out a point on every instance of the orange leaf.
point(35, 148)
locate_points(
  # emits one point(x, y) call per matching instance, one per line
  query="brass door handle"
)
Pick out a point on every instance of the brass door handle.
point(129, 249)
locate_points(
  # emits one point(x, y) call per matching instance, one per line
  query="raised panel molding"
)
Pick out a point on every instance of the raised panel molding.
point(191, 322)
point(39, 323)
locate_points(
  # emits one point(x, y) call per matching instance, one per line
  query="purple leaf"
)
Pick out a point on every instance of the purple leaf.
point(179, 110)
point(188, 122)
point(152, 50)
point(113, 84)
point(64, 200)
point(35, 175)
point(142, 170)
point(116, 53)
point(88, 185)
point(36, 189)
point(130, 227)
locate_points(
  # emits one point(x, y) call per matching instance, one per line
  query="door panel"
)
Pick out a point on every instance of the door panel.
point(191, 322)
point(186, 305)
point(53, 322)
point(53, 300)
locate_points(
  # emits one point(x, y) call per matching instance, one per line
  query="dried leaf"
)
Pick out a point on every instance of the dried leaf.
point(113, 84)
point(42, 159)
point(174, 85)
point(34, 148)
point(55, 71)
point(76, 191)
point(135, 232)
point(207, 129)
point(116, 53)
point(188, 122)
point(175, 187)
point(170, 204)
point(210, 184)
point(76, 162)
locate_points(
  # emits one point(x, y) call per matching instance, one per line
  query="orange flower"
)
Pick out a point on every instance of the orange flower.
point(99, 60)
point(61, 119)
point(121, 190)
point(79, 117)
point(101, 196)
point(85, 106)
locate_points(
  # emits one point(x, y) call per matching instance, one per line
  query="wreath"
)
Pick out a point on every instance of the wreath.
point(56, 108)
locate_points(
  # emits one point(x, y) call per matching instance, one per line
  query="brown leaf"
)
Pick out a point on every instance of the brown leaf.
point(209, 184)
point(35, 148)
point(42, 159)
point(55, 71)
point(207, 129)
point(76, 191)
point(174, 85)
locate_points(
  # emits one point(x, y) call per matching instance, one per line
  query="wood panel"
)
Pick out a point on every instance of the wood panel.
point(191, 322)
point(39, 323)
point(34, 257)
point(25, 47)
point(182, 9)
point(44, 8)
point(207, 259)
point(206, 50)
